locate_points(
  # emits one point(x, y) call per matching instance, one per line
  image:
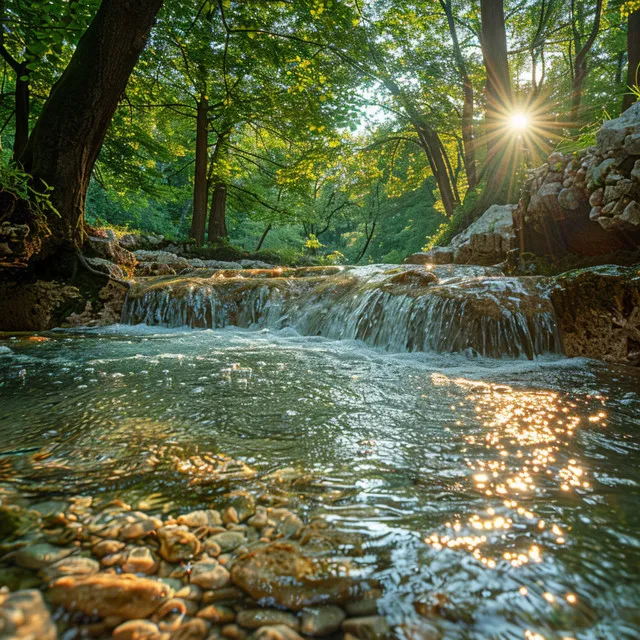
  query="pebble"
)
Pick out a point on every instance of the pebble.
point(136, 630)
point(195, 519)
point(38, 556)
point(107, 548)
point(277, 632)
point(23, 614)
point(196, 629)
point(256, 618)
point(217, 613)
point(368, 627)
point(177, 544)
point(321, 621)
point(140, 560)
point(227, 541)
point(209, 575)
point(72, 566)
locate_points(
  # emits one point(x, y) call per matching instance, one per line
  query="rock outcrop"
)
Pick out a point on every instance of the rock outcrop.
point(598, 312)
point(486, 242)
point(585, 203)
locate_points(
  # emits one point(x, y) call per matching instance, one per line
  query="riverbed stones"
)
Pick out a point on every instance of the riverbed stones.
point(136, 630)
point(281, 574)
point(209, 575)
point(140, 560)
point(276, 632)
point(195, 519)
point(24, 616)
point(256, 618)
point(77, 566)
point(217, 613)
point(368, 627)
point(321, 621)
point(227, 541)
point(122, 596)
point(38, 556)
point(177, 544)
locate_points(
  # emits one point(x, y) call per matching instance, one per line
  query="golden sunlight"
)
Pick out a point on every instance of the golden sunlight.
point(519, 121)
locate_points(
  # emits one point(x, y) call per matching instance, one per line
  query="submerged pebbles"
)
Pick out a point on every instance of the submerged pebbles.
point(246, 572)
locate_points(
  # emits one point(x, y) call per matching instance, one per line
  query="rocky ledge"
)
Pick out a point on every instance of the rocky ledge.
point(75, 569)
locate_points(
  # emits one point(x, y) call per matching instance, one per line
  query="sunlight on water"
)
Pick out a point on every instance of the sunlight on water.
point(492, 499)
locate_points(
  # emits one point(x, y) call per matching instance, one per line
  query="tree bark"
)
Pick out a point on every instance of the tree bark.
point(69, 133)
point(431, 145)
point(580, 62)
point(633, 57)
point(499, 101)
point(263, 237)
point(22, 112)
point(199, 220)
point(218, 217)
point(469, 156)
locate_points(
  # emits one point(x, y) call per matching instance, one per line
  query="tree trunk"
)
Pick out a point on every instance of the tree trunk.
point(69, 133)
point(22, 113)
point(469, 156)
point(218, 217)
point(580, 63)
point(263, 237)
point(499, 101)
point(431, 145)
point(199, 220)
point(633, 56)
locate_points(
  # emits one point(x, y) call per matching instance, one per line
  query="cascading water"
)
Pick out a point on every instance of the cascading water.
point(435, 308)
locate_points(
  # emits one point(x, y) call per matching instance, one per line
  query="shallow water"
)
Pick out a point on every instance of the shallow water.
point(500, 497)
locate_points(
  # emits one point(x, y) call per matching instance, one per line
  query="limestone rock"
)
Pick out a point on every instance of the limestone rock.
point(437, 255)
point(613, 132)
point(24, 616)
point(122, 596)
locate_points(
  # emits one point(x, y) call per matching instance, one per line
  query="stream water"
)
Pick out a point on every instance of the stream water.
point(498, 496)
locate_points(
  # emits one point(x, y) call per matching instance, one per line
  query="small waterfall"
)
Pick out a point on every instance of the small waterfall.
point(443, 309)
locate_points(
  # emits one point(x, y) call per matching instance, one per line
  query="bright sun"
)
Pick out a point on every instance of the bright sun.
point(519, 121)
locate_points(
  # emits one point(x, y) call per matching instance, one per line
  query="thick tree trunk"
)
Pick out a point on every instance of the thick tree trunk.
point(218, 217)
point(499, 102)
point(469, 156)
point(69, 133)
point(633, 57)
point(199, 220)
point(580, 63)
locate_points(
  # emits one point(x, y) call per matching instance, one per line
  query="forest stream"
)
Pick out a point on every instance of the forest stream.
point(482, 497)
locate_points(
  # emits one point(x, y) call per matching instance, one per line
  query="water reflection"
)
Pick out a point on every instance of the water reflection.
point(493, 501)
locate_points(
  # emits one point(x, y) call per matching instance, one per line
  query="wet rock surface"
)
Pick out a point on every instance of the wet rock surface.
point(113, 572)
point(586, 203)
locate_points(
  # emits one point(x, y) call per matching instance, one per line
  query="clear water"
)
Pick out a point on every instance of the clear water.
point(499, 498)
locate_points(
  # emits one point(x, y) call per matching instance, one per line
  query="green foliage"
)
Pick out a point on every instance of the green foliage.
point(18, 186)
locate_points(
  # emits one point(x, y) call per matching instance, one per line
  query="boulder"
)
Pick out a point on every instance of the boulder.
point(612, 134)
point(162, 257)
point(109, 249)
point(488, 239)
point(122, 596)
point(254, 264)
point(280, 574)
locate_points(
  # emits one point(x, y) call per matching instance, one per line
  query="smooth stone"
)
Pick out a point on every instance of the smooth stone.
point(228, 540)
point(177, 544)
point(136, 630)
point(189, 592)
point(140, 560)
point(280, 574)
point(277, 632)
point(209, 575)
point(38, 556)
point(124, 596)
point(77, 566)
point(196, 629)
point(368, 627)
point(256, 618)
point(107, 548)
point(217, 613)
point(228, 593)
point(196, 519)
point(233, 632)
point(291, 526)
point(321, 621)
point(24, 616)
